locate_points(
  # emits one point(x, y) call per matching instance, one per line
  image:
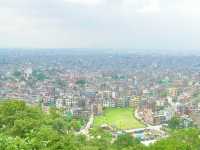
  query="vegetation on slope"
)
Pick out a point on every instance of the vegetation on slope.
point(25, 127)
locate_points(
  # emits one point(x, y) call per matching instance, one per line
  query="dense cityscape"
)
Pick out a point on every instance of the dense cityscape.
point(99, 75)
point(140, 94)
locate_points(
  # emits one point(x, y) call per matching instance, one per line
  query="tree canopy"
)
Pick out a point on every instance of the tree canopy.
point(24, 127)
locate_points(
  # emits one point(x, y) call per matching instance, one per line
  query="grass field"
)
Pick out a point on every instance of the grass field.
point(122, 118)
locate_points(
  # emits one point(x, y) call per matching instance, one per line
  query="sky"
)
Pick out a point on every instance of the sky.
point(118, 24)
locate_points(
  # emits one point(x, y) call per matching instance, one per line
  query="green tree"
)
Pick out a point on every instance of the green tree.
point(81, 83)
point(126, 141)
point(184, 139)
point(13, 143)
point(101, 139)
point(17, 74)
point(174, 123)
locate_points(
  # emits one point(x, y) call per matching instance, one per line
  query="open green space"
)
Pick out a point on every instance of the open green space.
point(121, 118)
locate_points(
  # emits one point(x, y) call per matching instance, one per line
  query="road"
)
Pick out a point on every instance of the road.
point(158, 127)
point(85, 130)
point(136, 115)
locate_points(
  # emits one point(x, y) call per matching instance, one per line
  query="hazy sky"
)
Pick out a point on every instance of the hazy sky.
point(137, 24)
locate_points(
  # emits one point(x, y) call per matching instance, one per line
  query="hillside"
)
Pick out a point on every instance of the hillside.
point(28, 128)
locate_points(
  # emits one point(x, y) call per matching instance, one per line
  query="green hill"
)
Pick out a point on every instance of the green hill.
point(25, 127)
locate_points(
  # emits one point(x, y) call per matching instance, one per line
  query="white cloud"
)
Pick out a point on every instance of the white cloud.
point(189, 7)
point(84, 2)
point(150, 6)
point(100, 23)
point(134, 7)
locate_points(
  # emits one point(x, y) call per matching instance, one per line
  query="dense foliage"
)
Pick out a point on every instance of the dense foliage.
point(25, 127)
